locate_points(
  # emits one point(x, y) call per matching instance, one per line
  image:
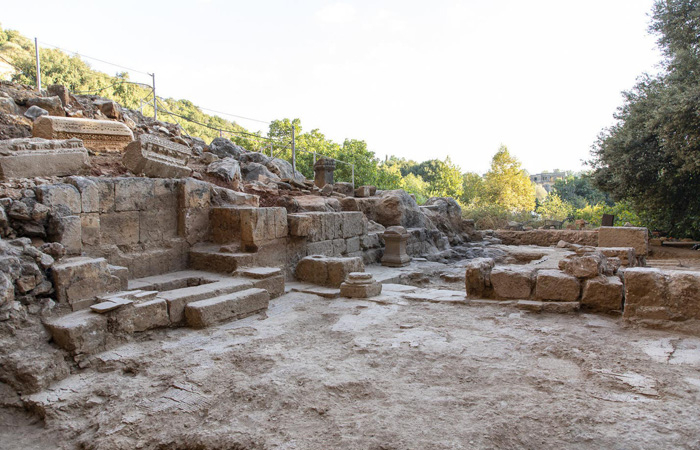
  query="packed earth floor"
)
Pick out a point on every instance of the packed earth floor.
point(390, 373)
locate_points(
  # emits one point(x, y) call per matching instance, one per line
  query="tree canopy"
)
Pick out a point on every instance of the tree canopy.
point(651, 156)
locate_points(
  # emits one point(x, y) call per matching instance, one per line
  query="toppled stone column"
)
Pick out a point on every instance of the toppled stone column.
point(323, 172)
point(36, 157)
point(157, 157)
point(360, 285)
point(98, 135)
point(395, 251)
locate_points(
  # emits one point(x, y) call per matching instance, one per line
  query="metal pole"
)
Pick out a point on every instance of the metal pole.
point(38, 65)
point(294, 152)
point(353, 176)
point(141, 106)
point(155, 105)
point(314, 158)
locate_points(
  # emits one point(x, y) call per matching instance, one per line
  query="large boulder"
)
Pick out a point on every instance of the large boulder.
point(51, 104)
point(398, 208)
point(228, 169)
point(255, 157)
point(283, 169)
point(253, 171)
point(446, 214)
point(223, 148)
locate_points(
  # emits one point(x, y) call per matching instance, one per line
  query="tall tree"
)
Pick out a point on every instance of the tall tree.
point(651, 156)
point(507, 185)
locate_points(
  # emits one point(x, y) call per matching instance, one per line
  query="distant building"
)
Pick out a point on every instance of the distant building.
point(547, 179)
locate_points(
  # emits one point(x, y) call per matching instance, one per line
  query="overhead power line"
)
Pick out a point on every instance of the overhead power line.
point(233, 115)
point(96, 59)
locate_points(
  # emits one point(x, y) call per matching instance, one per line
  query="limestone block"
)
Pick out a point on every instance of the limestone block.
point(550, 307)
point(352, 244)
point(478, 277)
point(363, 191)
point(683, 294)
point(339, 247)
point(344, 188)
point(327, 271)
point(512, 282)
point(194, 194)
point(105, 191)
point(602, 294)
point(586, 266)
point(204, 313)
point(370, 240)
point(28, 158)
point(81, 332)
point(352, 224)
point(55, 195)
point(194, 225)
point(61, 92)
point(51, 104)
point(225, 224)
point(90, 229)
point(557, 285)
point(165, 195)
point(157, 157)
point(635, 237)
point(89, 193)
point(262, 224)
point(348, 204)
point(67, 230)
point(120, 228)
point(299, 224)
point(150, 314)
point(644, 288)
point(325, 248)
point(157, 226)
point(122, 273)
point(133, 194)
point(625, 255)
point(273, 285)
point(360, 285)
point(79, 280)
point(98, 135)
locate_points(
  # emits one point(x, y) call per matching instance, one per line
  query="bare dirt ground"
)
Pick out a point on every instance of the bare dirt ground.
point(320, 374)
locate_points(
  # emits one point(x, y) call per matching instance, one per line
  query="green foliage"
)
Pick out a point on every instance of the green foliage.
point(651, 157)
point(472, 188)
point(507, 185)
point(554, 208)
point(414, 184)
point(579, 191)
point(388, 177)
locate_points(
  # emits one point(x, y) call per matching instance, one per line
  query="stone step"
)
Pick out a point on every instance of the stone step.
point(178, 299)
point(204, 313)
point(211, 258)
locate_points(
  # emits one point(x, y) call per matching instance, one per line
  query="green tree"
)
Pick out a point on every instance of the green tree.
point(472, 188)
point(651, 157)
point(553, 207)
point(388, 177)
point(507, 185)
point(414, 184)
point(579, 191)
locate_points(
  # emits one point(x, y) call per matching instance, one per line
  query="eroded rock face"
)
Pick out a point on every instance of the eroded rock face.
point(478, 277)
point(224, 148)
point(398, 208)
point(228, 169)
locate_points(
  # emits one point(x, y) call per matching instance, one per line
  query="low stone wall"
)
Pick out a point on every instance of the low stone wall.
point(547, 238)
point(657, 297)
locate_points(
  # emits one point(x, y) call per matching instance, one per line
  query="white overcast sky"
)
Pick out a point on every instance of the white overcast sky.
point(414, 79)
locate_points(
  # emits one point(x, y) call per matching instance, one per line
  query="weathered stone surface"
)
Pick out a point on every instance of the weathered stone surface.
point(51, 104)
point(60, 194)
point(549, 307)
point(274, 285)
point(253, 171)
point(34, 112)
point(327, 271)
point(323, 171)
point(299, 224)
point(36, 157)
point(397, 208)
point(344, 188)
point(98, 135)
point(78, 281)
point(478, 277)
point(557, 285)
point(586, 266)
point(626, 255)
point(81, 332)
point(150, 314)
point(68, 231)
point(512, 282)
point(89, 193)
point(262, 224)
point(223, 148)
point(204, 313)
point(228, 169)
point(260, 273)
point(395, 250)
point(646, 293)
point(363, 191)
point(109, 108)
point(225, 224)
point(157, 157)
point(61, 92)
point(8, 106)
point(602, 294)
point(635, 237)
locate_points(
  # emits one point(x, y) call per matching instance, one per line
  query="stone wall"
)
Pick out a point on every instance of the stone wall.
point(547, 238)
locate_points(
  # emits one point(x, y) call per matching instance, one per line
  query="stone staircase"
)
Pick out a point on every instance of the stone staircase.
point(191, 298)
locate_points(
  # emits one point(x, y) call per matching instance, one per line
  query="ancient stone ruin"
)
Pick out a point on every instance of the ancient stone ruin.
point(178, 280)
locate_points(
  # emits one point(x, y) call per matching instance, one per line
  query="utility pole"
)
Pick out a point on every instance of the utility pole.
point(38, 65)
point(294, 152)
point(353, 176)
point(155, 104)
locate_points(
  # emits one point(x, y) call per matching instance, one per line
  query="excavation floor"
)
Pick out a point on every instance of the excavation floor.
point(319, 374)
